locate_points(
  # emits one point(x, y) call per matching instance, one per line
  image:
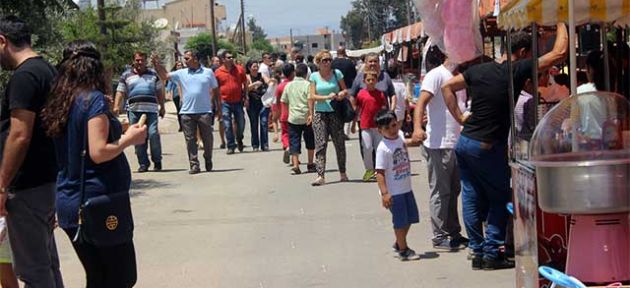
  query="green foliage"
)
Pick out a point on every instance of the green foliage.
point(369, 19)
point(126, 33)
point(257, 32)
point(202, 42)
point(262, 45)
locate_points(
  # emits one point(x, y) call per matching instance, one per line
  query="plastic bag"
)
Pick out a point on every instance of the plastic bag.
point(269, 98)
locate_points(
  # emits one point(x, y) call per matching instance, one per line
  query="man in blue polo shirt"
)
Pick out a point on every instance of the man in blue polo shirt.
point(199, 91)
point(143, 90)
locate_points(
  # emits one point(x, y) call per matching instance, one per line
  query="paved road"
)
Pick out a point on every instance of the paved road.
point(251, 224)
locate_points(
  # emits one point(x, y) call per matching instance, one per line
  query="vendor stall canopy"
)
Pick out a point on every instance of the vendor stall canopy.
point(519, 14)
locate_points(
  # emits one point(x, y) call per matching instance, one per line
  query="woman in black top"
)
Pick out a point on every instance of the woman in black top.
point(257, 112)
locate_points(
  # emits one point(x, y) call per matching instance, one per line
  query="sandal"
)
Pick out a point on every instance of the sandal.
point(295, 171)
point(318, 181)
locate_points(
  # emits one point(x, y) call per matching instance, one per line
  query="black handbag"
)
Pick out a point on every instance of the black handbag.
point(343, 108)
point(104, 220)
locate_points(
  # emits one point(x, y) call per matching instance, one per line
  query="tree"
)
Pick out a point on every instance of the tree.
point(367, 20)
point(202, 43)
point(262, 45)
point(126, 33)
point(257, 32)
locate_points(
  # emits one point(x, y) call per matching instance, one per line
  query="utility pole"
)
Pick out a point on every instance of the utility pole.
point(409, 6)
point(243, 30)
point(100, 6)
point(291, 37)
point(214, 29)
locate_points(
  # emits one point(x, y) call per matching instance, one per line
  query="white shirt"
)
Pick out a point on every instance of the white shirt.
point(401, 96)
point(442, 129)
point(392, 156)
point(264, 70)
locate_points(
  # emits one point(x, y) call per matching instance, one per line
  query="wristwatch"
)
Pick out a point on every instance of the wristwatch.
point(5, 190)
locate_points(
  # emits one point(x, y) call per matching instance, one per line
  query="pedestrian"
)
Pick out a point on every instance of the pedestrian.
point(78, 116)
point(28, 168)
point(233, 86)
point(394, 182)
point(199, 89)
point(442, 132)
point(384, 85)
point(258, 114)
point(368, 103)
point(295, 96)
point(143, 89)
point(327, 85)
point(281, 111)
point(266, 67)
point(173, 92)
point(216, 63)
point(347, 67)
point(402, 92)
point(482, 146)
point(310, 61)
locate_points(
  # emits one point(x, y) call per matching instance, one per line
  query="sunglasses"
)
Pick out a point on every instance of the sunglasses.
point(326, 60)
point(186, 58)
point(229, 58)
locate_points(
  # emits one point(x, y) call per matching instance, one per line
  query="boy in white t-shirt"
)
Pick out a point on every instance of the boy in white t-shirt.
point(394, 181)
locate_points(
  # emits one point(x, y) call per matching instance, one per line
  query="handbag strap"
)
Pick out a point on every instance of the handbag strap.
point(84, 154)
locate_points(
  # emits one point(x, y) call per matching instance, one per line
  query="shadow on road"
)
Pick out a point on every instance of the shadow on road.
point(139, 186)
point(429, 255)
point(226, 170)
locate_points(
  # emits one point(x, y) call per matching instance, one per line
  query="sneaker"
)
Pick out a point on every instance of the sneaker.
point(367, 176)
point(296, 171)
point(240, 146)
point(222, 146)
point(496, 264)
point(343, 177)
point(311, 168)
point(157, 166)
point(143, 168)
point(408, 254)
point(194, 170)
point(209, 165)
point(476, 262)
point(230, 151)
point(460, 242)
point(255, 149)
point(285, 157)
point(471, 254)
point(318, 181)
point(264, 148)
point(443, 244)
point(395, 247)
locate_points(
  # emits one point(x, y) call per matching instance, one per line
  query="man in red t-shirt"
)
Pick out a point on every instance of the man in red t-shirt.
point(232, 85)
point(367, 104)
point(282, 109)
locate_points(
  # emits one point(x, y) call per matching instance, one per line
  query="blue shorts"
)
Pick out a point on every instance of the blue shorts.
point(296, 132)
point(404, 210)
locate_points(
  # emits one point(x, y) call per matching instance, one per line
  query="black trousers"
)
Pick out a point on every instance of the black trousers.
point(106, 267)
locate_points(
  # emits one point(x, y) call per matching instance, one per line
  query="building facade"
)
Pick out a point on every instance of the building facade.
point(310, 44)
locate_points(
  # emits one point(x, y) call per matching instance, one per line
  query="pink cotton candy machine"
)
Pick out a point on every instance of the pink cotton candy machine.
point(581, 151)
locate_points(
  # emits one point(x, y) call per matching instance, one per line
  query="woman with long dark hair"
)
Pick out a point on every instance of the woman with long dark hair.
point(257, 112)
point(78, 108)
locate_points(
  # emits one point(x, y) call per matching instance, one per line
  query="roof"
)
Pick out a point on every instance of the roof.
point(521, 13)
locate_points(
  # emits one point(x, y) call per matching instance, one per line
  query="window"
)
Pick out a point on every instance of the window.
point(314, 45)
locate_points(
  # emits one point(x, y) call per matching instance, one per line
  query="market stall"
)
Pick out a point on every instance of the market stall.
point(570, 184)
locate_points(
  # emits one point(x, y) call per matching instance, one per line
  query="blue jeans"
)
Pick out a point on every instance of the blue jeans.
point(259, 114)
point(485, 177)
point(227, 110)
point(154, 139)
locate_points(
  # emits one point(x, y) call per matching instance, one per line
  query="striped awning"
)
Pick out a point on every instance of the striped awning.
point(521, 13)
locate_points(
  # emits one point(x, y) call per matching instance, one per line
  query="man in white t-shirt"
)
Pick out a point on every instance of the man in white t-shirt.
point(442, 133)
point(265, 67)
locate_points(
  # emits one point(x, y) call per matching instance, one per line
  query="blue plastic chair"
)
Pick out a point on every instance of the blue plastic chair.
point(558, 278)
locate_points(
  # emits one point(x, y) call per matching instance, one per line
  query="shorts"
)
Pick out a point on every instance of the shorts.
point(404, 210)
point(296, 132)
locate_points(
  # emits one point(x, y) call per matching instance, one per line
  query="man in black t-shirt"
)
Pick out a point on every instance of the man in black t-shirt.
point(482, 147)
point(345, 65)
point(28, 166)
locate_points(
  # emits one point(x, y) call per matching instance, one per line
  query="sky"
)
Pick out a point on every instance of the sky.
point(277, 17)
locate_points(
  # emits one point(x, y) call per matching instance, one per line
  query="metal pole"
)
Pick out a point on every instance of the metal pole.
point(100, 6)
point(535, 72)
point(508, 52)
point(572, 52)
point(243, 30)
point(291, 38)
point(213, 27)
point(604, 41)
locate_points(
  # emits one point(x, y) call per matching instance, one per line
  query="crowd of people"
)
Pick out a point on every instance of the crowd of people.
point(62, 143)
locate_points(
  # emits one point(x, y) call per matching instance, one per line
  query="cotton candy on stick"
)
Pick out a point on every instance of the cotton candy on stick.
point(459, 33)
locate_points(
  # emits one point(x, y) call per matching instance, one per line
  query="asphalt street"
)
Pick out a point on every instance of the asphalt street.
point(250, 223)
